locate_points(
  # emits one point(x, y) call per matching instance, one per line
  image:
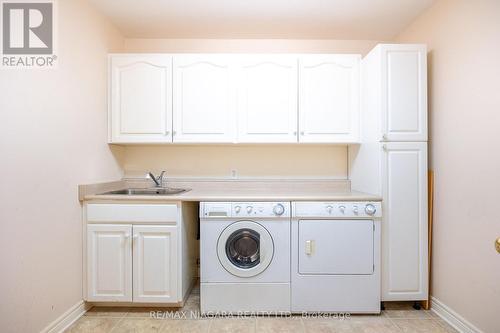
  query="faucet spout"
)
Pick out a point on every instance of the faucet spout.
point(157, 180)
point(157, 183)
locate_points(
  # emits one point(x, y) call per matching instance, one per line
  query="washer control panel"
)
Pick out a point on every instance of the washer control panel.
point(244, 209)
point(340, 209)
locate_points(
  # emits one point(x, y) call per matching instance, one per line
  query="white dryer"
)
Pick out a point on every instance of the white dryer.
point(245, 257)
point(336, 257)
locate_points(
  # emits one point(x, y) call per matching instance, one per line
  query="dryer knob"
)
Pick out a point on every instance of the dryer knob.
point(370, 209)
point(237, 209)
point(249, 209)
point(355, 209)
point(279, 209)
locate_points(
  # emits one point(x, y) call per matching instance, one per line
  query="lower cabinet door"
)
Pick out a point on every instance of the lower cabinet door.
point(155, 264)
point(109, 263)
point(404, 226)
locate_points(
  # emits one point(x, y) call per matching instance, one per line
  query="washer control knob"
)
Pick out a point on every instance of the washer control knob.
point(355, 209)
point(278, 209)
point(329, 209)
point(342, 209)
point(237, 209)
point(249, 209)
point(370, 209)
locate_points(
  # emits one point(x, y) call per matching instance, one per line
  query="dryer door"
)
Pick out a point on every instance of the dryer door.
point(245, 248)
point(333, 247)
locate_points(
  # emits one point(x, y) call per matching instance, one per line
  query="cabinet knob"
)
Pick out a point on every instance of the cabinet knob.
point(384, 137)
point(497, 244)
point(302, 133)
point(295, 133)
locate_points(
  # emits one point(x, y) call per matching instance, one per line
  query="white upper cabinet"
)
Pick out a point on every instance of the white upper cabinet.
point(141, 99)
point(329, 98)
point(404, 92)
point(204, 99)
point(230, 98)
point(267, 98)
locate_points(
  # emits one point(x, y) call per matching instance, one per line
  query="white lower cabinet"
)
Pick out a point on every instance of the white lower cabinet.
point(109, 258)
point(404, 228)
point(155, 264)
point(132, 263)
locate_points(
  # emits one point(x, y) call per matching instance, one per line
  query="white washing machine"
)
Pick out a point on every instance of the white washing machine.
point(245, 257)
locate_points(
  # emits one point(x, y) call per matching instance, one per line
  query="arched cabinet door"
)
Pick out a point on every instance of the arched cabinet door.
point(204, 99)
point(329, 98)
point(141, 99)
point(267, 98)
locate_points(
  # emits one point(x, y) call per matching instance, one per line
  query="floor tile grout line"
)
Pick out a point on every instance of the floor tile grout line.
point(116, 325)
point(395, 325)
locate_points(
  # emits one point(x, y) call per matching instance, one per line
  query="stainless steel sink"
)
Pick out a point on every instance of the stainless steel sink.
point(147, 191)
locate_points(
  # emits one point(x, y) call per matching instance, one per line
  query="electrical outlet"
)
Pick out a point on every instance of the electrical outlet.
point(234, 173)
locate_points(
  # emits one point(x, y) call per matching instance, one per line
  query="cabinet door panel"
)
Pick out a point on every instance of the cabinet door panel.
point(404, 84)
point(155, 264)
point(141, 98)
point(109, 263)
point(404, 228)
point(329, 98)
point(267, 99)
point(204, 99)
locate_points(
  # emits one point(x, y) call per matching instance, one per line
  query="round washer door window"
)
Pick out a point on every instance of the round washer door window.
point(245, 248)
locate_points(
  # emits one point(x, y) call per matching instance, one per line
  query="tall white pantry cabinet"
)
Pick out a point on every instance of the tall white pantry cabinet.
point(392, 161)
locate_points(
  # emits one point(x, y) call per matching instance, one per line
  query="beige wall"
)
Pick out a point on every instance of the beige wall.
point(464, 94)
point(249, 45)
point(262, 161)
point(52, 138)
point(279, 161)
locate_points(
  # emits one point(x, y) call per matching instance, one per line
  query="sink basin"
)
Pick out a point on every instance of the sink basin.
point(147, 191)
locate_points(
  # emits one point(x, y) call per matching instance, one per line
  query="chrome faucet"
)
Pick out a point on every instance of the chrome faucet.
point(157, 180)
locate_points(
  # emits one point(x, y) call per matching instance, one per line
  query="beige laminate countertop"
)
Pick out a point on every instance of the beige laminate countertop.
point(273, 190)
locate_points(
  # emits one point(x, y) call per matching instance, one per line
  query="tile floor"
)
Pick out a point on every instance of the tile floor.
point(398, 317)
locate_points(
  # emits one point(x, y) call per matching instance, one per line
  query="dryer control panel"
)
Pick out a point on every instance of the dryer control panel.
point(338, 209)
point(244, 209)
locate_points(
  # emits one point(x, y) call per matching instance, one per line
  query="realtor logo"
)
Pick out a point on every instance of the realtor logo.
point(28, 34)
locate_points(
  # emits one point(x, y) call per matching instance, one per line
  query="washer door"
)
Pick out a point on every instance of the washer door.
point(245, 248)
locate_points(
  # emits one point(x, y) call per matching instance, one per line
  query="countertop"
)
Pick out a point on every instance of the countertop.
point(235, 190)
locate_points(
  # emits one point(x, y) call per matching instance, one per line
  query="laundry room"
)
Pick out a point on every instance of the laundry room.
point(266, 166)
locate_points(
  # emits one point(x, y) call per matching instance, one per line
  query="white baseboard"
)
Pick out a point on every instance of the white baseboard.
point(67, 318)
point(451, 317)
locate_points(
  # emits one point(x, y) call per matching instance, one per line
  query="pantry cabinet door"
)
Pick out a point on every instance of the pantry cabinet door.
point(155, 264)
point(329, 98)
point(267, 98)
point(404, 225)
point(109, 263)
point(141, 99)
point(204, 99)
point(404, 92)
